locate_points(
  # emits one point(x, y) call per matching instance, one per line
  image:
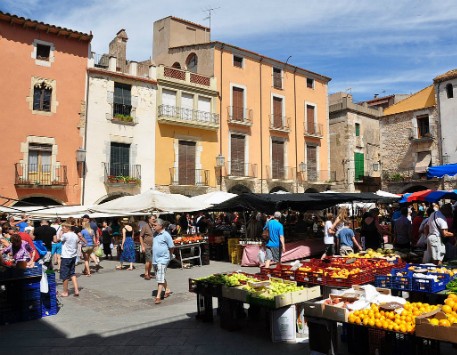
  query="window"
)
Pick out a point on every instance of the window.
point(186, 163)
point(277, 160)
point(192, 63)
point(204, 108)
point(359, 164)
point(310, 83)
point(43, 52)
point(357, 129)
point(237, 154)
point(176, 65)
point(277, 78)
point(39, 163)
point(311, 162)
point(120, 159)
point(187, 106)
point(122, 105)
point(449, 91)
point(42, 94)
point(237, 61)
point(423, 128)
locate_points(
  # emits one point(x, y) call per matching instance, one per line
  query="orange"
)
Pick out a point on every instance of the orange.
point(434, 321)
point(444, 323)
point(446, 309)
point(454, 307)
point(449, 302)
point(452, 295)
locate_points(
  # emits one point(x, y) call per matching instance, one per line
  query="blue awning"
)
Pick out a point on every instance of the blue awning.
point(441, 170)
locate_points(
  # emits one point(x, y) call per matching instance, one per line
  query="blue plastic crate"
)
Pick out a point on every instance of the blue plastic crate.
point(30, 286)
point(31, 295)
point(423, 284)
point(31, 315)
point(383, 281)
point(45, 312)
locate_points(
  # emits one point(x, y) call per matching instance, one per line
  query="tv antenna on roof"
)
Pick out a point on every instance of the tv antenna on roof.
point(210, 12)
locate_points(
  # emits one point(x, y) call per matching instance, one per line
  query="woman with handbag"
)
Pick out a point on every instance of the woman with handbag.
point(127, 245)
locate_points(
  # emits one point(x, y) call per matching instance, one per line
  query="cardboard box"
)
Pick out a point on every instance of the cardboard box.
point(425, 330)
point(313, 308)
point(235, 293)
point(335, 312)
point(314, 292)
point(283, 323)
point(384, 291)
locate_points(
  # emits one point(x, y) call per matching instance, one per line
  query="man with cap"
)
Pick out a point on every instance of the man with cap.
point(275, 245)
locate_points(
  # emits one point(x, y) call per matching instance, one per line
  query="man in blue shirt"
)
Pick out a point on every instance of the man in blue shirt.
point(162, 249)
point(347, 239)
point(275, 245)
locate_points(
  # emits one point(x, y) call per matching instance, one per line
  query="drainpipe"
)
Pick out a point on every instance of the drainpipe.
point(261, 128)
point(296, 142)
point(439, 131)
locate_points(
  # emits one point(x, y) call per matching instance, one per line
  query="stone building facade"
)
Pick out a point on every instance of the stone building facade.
point(354, 144)
point(410, 143)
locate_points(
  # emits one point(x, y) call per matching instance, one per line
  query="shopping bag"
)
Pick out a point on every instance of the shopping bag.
point(99, 252)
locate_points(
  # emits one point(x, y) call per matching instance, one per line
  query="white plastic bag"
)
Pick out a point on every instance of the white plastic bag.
point(44, 287)
point(262, 256)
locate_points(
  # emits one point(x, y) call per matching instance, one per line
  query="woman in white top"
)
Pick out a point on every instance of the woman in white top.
point(329, 237)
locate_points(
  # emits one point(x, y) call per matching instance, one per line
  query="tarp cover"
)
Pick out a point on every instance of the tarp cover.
point(269, 203)
point(441, 170)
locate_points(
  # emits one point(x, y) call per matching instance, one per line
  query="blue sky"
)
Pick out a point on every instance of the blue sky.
point(366, 47)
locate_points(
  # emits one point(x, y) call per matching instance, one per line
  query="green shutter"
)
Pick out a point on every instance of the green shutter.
point(357, 129)
point(359, 166)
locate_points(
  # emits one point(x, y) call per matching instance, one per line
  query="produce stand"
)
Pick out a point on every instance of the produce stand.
point(197, 247)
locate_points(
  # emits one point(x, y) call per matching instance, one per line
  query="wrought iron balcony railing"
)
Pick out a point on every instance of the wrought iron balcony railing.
point(185, 115)
point(240, 115)
point(311, 175)
point(241, 169)
point(40, 175)
point(313, 129)
point(192, 177)
point(281, 172)
point(279, 123)
point(118, 173)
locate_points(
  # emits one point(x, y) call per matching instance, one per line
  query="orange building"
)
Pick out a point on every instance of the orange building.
point(273, 131)
point(43, 110)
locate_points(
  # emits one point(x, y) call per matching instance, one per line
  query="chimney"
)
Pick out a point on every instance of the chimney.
point(118, 46)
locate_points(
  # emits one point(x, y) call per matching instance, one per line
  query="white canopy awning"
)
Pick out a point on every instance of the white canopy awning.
point(213, 198)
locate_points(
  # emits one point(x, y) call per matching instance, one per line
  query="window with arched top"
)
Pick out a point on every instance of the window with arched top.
point(176, 65)
point(449, 91)
point(192, 62)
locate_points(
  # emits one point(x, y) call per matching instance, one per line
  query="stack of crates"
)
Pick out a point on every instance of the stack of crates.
point(233, 250)
point(30, 300)
point(49, 304)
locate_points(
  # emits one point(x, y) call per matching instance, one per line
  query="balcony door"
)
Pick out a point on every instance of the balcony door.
point(186, 163)
point(187, 106)
point(277, 160)
point(39, 163)
point(120, 159)
point(277, 112)
point(237, 154)
point(311, 162)
point(238, 104)
point(310, 126)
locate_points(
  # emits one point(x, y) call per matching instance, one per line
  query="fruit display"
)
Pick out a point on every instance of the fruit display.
point(187, 239)
point(387, 254)
point(230, 280)
point(450, 311)
point(399, 320)
point(272, 289)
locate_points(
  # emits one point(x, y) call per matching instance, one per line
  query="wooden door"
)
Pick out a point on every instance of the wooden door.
point(237, 151)
point(186, 163)
point(277, 112)
point(277, 160)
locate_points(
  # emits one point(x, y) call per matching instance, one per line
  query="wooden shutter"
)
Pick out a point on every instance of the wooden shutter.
point(277, 112)
point(237, 151)
point(186, 164)
point(359, 163)
point(238, 104)
point(311, 162)
point(120, 159)
point(310, 119)
point(277, 159)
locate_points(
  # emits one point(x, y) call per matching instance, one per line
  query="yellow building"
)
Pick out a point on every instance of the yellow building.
point(273, 132)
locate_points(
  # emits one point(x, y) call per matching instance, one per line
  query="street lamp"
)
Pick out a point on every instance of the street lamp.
point(302, 167)
point(220, 161)
point(81, 155)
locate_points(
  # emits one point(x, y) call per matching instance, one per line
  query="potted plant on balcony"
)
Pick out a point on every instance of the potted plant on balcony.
point(132, 180)
point(56, 182)
point(123, 118)
point(111, 179)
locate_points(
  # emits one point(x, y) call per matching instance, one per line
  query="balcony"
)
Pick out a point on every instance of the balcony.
point(181, 77)
point(117, 174)
point(313, 130)
point(40, 176)
point(239, 116)
point(190, 177)
point(416, 136)
point(122, 113)
point(187, 117)
point(241, 169)
point(279, 172)
point(279, 123)
point(318, 176)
